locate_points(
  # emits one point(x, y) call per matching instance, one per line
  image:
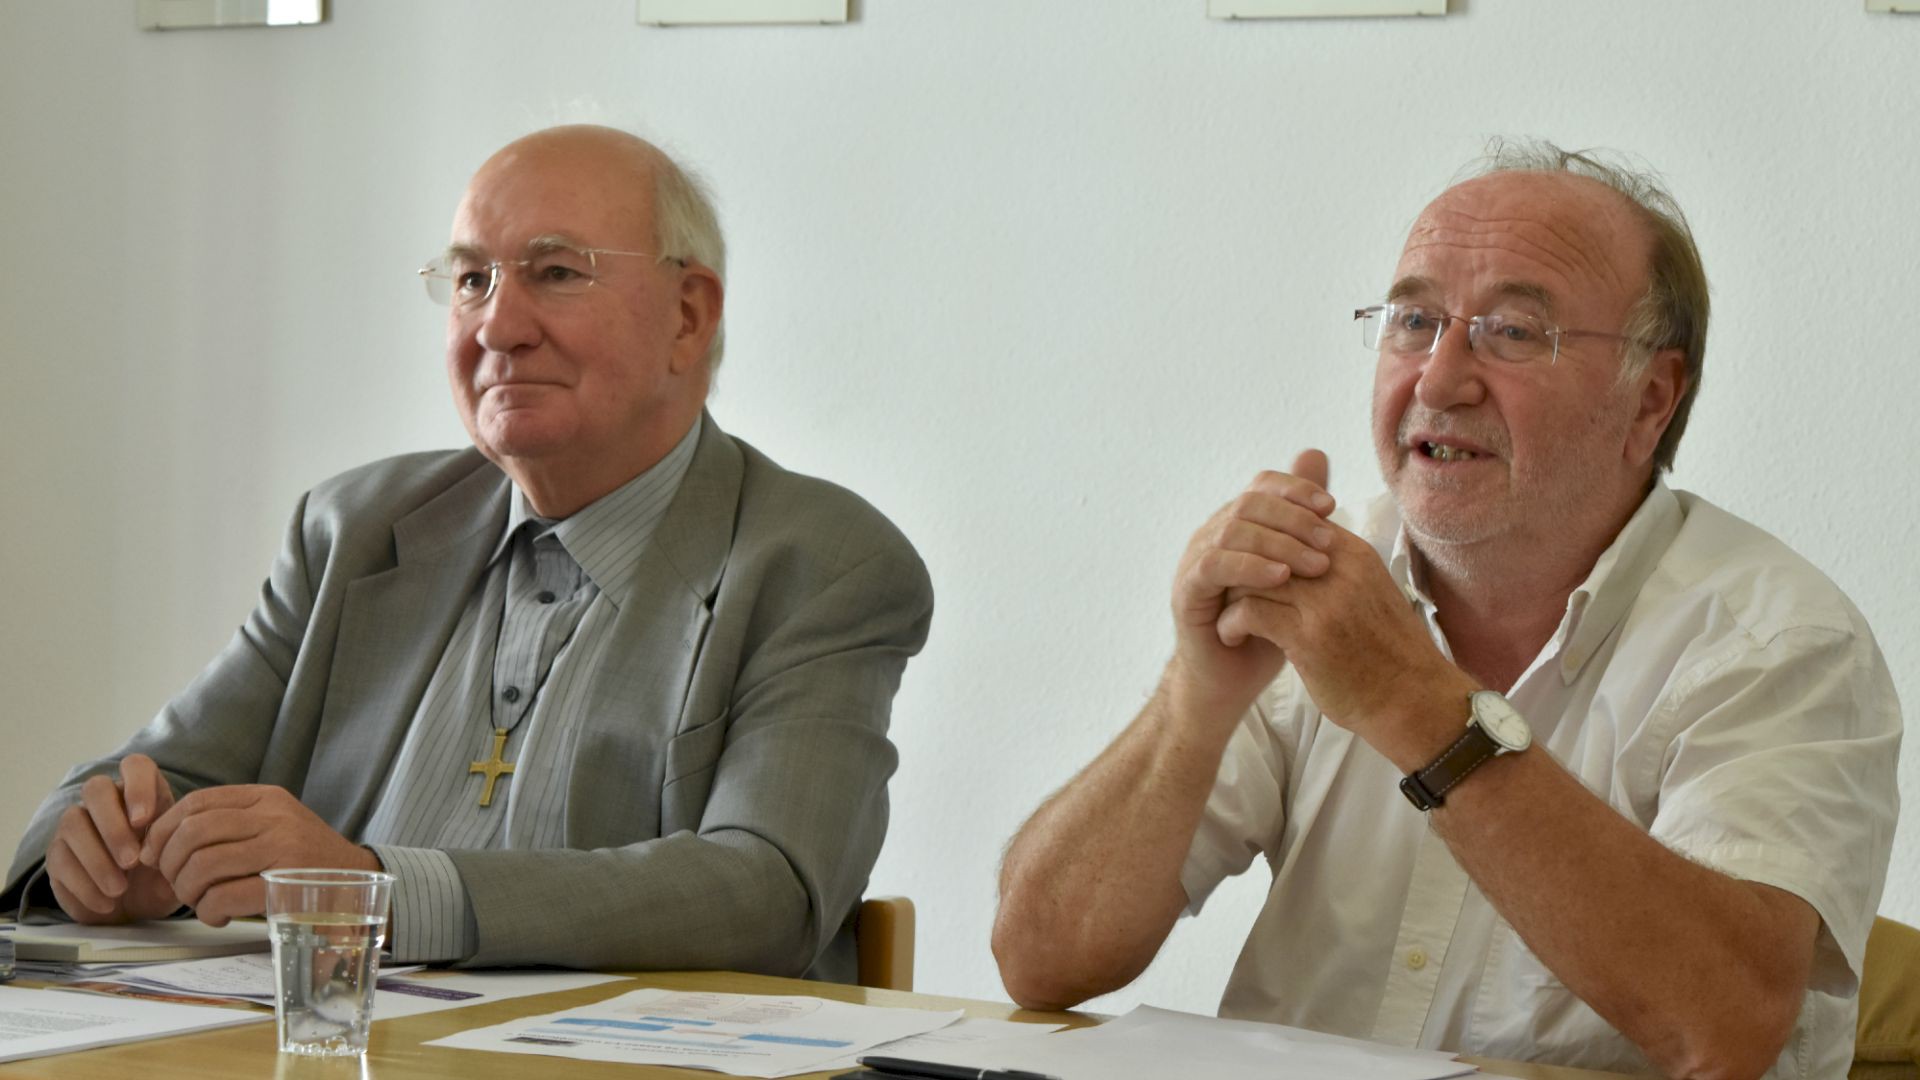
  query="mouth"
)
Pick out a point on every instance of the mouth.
point(1442, 452)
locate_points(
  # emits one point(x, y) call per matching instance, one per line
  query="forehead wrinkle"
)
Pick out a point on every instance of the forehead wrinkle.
point(1555, 243)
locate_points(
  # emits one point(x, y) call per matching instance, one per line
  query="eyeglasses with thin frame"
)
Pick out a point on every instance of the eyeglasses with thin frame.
point(461, 280)
point(1510, 337)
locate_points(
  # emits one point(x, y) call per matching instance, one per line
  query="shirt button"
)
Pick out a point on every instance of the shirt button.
point(511, 694)
point(1417, 959)
point(545, 597)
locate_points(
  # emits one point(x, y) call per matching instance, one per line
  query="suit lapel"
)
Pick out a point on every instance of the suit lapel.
point(639, 694)
point(394, 626)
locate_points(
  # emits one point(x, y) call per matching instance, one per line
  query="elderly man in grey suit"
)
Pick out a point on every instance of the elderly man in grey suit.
point(611, 689)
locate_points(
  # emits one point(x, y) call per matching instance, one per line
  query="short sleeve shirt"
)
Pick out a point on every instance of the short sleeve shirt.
point(1708, 683)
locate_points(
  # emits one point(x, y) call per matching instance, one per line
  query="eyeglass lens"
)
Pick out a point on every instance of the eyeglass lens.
point(465, 280)
point(1410, 330)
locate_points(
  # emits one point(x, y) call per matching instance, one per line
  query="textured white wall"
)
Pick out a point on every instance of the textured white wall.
point(1046, 282)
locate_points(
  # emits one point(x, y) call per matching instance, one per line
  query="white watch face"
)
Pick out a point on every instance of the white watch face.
point(1498, 719)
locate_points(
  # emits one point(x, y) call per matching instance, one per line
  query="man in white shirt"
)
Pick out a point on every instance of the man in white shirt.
point(1659, 845)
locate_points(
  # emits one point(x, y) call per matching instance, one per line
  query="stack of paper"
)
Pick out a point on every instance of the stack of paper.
point(171, 939)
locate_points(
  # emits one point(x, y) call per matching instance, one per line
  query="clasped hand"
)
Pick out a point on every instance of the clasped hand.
point(129, 850)
point(1270, 578)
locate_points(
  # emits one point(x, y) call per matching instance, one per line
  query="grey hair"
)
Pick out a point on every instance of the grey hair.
point(687, 227)
point(1673, 312)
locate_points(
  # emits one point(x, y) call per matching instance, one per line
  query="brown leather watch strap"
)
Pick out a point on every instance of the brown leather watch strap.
point(1428, 788)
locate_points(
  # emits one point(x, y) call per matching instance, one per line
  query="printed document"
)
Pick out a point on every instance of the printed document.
point(1153, 1044)
point(405, 991)
point(968, 1031)
point(35, 1023)
point(740, 1034)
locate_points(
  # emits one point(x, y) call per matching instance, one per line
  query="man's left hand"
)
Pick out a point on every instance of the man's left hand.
point(213, 843)
point(1359, 646)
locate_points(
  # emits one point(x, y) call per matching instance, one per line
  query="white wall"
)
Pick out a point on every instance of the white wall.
point(1046, 282)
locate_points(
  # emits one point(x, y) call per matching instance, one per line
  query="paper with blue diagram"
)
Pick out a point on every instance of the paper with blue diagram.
point(739, 1034)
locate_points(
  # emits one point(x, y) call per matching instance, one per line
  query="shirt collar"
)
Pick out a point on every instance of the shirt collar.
point(1600, 602)
point(608, 536)
point(1597, 605)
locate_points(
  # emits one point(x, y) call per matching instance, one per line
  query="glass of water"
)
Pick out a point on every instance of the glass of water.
point(327, 928)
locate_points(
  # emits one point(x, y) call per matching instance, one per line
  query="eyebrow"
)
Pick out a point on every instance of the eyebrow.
point(539, 245)
point(1526, 290)
point(1408, 286)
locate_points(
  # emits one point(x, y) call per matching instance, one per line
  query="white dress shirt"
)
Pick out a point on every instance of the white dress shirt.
point(1708, 683)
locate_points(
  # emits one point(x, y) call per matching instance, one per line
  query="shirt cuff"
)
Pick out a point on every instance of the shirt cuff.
point(432, 919)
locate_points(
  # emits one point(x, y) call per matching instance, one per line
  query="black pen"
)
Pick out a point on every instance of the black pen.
point(933, 1070)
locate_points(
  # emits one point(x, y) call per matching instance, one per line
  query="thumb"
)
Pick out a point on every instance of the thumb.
point(1311, 465)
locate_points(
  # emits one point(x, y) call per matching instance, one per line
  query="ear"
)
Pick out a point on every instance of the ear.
point(1661, 387)
point(702, 299)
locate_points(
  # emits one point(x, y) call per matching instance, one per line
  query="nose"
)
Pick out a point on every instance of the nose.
point(508, 320)
point(1451, 374)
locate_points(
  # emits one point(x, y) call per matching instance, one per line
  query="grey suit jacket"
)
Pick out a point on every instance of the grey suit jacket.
point(727, 798)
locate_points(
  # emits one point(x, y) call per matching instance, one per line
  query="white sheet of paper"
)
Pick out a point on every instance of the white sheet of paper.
point(740, 1034)
point(966, 1031)
point(1152, 1044)
point(36, 1023)
point(402, 991)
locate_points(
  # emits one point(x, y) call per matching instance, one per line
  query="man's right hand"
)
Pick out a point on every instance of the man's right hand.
point(94, 863)
point(1272, 531)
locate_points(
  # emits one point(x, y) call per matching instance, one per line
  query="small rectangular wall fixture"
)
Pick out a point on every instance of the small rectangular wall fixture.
point(712, 12)
point(209, 14)
point(1321, 9)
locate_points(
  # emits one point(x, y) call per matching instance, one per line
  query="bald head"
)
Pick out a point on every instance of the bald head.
point(590, 149)
point(1568, 234)
point(636, 186)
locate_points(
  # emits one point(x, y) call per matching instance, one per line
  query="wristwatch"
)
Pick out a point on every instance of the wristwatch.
point(1493, 728)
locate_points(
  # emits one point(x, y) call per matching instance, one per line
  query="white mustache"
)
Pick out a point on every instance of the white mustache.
point(1448, 424)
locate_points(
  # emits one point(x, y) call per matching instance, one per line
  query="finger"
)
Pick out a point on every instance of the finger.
point(229, 900)
point(210, 866)
point(1312, 466)
point(204, 829)
point(1199, 591)
point(73, 886)
point(162, 829)
point(1256, 617)
point(148, 896)
point(1276, 546)
point(1300, 489)
point(101, 798)
point(1275, 512)
point(147, 791)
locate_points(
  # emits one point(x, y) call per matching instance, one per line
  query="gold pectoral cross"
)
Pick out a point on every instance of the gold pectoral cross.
point(494, 769)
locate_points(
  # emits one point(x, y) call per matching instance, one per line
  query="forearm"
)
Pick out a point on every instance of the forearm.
point(726, 901)
point(1646, 937)
point(1090, 886)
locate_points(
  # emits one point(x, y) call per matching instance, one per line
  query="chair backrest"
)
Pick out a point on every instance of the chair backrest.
point(1887, 1043)
point(884, 934)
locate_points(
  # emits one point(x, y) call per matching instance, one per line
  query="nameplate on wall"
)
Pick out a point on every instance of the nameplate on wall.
point(1320, 9)
point(223, 14)
point(738, 12)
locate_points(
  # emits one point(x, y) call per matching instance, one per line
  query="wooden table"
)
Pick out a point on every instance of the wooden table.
point(395, 1051)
